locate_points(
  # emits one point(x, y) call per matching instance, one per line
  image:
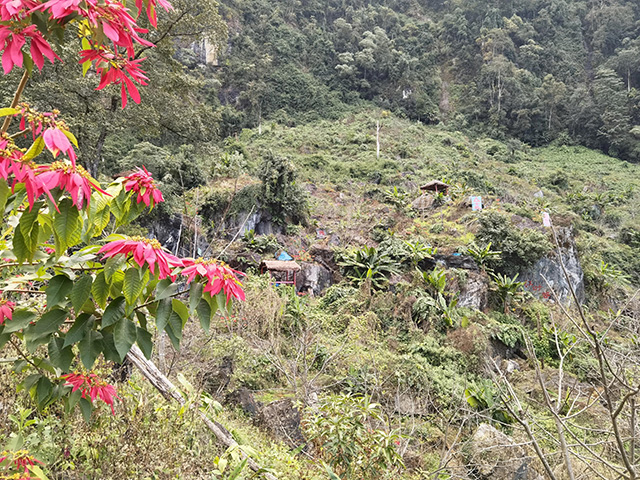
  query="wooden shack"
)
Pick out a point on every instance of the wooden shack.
point(282, 272)
point(436, 186)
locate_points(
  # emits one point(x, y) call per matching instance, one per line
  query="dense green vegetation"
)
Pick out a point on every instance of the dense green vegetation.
point(536, 70)
point(530, 104)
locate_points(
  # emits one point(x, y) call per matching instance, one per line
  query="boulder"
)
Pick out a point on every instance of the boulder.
point(282, 419)
point(216, 379)
point(313, 278)
point(243, 398)
point(474, 293)
point(549, 268)
point(496, 456)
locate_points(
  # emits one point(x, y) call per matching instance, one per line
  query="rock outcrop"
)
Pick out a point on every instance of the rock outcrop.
point(313, 278)
point(496, 456)
point(474, 293)
point(282, 419)
point(546, 276)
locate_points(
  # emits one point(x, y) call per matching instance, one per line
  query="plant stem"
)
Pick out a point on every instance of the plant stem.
point(16, 99)
point(23, 355)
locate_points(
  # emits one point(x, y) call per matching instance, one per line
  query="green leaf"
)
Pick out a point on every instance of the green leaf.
point(162, 314)
point(42, 392)
point(181, 309)
point(59, 287)
point(165, 289)
point(109, 351)
point(20, 249)
point(81, 292)
point(100, 290)
point(174, 329)
point(59, 355)
point(21, 319)
point(145, 341)
point(78, 330)
point(113, 264)
point(86, 408)
point(90, 347)
point(195, 295)
point(67, 226)
point(5, 112)
point(114, 312)
point(132, 286)
point(205, 315)
point(124, 336)
point(72, 138)
point(35, 149)
point(5, 191)
point(38, 333)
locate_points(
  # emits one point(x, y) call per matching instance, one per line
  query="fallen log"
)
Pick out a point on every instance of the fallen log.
point(170, 392)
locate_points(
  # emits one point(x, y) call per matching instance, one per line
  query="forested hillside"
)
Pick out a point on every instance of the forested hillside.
point(535, 70)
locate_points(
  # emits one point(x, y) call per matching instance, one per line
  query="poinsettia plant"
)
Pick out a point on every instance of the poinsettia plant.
point(73, 289)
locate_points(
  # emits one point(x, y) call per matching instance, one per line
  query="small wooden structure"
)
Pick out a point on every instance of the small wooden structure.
point(283, 272)
point(436, 186)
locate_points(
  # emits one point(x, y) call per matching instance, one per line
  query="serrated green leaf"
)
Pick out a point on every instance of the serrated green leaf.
point(5, 191)
point(109, 351)
point(42, 392)
point(100, 290)
point(132, 286)
point(67, 226)
point(174, 329)
point(38, 333)
point(86, 408)
point(124, 336)
point(59, 287)
point(114, 312)
point(113, 264)
point(81, 292)
point(165, 289)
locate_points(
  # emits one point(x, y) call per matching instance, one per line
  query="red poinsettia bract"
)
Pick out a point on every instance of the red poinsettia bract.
point(114, 68)
point(20, 460)
point(6, 310)
point(143, 184)
point(151, 9)
point(219, 277)
point(57, 141)
point(92, 386)
point(73, 179)
point(144, 250)
point(14, 37)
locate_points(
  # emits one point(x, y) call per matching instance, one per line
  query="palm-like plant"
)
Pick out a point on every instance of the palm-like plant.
point(507, 289)
point(483, 255)
point(368, 263)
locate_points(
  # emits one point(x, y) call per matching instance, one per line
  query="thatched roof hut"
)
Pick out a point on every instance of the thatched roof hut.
point(280, 266)
point(436, 186)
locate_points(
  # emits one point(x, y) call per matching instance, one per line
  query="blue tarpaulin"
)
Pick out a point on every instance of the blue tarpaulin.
point(284, 256)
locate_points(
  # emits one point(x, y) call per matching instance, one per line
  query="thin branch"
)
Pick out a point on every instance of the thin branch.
point(16, 99)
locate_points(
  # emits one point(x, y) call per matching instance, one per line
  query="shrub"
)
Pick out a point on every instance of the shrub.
point(279, 192)
point(520, 247)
